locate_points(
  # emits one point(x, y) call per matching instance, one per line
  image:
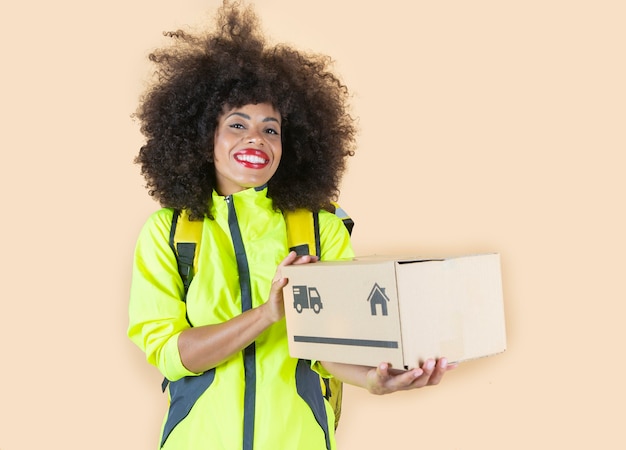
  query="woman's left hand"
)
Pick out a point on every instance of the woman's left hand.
point(384, 379)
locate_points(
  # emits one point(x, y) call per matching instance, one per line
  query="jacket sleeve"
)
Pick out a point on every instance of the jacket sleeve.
point(157, 313)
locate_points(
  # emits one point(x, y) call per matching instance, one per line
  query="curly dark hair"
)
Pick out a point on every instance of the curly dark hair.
point(201, 74)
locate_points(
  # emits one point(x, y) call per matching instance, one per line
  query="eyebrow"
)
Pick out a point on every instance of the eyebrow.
point(247, 117)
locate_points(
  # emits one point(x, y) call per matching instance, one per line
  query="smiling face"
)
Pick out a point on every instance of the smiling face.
point(247, 147)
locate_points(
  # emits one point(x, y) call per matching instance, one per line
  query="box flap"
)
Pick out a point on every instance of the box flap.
point(452, 308)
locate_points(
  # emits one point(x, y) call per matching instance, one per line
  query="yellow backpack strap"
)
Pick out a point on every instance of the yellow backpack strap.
point(303, 232)
point(303, 229)
point(185, 237)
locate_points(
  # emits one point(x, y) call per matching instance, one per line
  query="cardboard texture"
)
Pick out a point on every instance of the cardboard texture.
point(397, 310)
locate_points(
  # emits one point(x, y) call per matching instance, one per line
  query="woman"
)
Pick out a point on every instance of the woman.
point(238, 132)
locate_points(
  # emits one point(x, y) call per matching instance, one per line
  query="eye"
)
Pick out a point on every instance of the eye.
point(237, 125)
point(272, 131)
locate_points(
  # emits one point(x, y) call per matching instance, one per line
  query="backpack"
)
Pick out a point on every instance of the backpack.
point(303, 237)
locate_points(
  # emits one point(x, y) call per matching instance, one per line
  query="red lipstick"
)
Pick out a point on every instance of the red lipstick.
point(252, 158)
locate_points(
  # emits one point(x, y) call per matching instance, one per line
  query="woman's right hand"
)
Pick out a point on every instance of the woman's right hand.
point(275, 304)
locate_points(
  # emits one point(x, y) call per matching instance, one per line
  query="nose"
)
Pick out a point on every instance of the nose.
point(254, 137)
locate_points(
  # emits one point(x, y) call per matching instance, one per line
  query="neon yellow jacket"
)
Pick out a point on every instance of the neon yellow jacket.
point(261, 398)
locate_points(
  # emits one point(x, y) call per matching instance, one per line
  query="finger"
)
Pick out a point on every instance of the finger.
point(279, 283)
point(382, 371)
point(395, 379)
point(438, 371)
point(398, 380)
point(422, 374)
point(289, 259)
point(405, 380)
point(305, 259)
point(388, 371)
point(415, 378)
point(294, 258)
point(429, 366)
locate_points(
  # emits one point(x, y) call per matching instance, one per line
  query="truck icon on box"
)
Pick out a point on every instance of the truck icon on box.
point(305, 297)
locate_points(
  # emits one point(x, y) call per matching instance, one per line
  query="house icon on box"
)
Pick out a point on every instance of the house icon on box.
point(378, 297)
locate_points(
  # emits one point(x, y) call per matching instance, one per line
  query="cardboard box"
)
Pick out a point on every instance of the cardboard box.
point(402, 311)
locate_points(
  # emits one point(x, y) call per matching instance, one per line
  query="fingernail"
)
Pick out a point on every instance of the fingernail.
point(430, 364)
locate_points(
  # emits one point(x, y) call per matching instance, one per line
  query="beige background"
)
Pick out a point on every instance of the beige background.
point(485, 126)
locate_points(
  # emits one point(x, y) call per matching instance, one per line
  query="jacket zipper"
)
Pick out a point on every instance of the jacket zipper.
point(249, 353)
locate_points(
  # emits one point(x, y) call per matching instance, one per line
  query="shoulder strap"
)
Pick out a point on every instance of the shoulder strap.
point(303, 230)
point(185, 238)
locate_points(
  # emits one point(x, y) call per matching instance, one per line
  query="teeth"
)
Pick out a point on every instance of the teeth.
point(252, 159)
